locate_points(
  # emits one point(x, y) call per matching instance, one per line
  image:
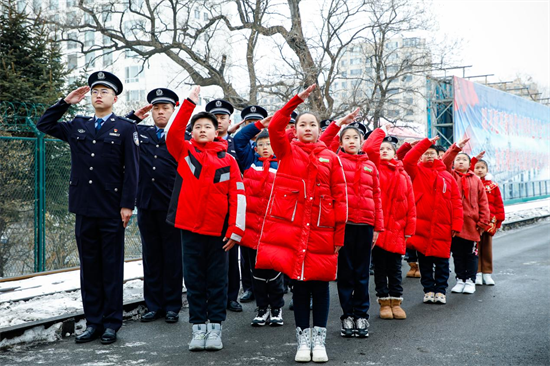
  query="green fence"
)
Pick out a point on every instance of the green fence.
point(36, 229)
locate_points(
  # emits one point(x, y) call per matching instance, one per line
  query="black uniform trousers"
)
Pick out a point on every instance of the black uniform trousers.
point(267, 283)
point(162, 261)
point(233, 275)
point(353, 271)
point(465, 258)
point(100, 244)
point(387, 273)
point(246, 271)
point(205, 266)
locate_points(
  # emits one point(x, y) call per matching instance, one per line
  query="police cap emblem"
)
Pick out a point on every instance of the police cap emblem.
point(252, 109)
point(218, 103)
point(100, 75)
point(159, 92)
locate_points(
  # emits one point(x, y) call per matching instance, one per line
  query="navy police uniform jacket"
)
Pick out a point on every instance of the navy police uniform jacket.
point(157, 171)
point(104, 167)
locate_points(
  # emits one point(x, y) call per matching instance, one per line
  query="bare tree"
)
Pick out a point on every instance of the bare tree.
point(284, 49)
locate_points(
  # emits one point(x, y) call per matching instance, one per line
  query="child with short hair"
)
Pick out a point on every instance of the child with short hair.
point(476, 217)
point(303, 229)
point(259, 166)
point(438, 217)
point(496, 207)
point(209, 205)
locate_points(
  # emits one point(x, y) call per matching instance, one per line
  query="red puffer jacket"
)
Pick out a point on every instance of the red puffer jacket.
point(307, 210)
point(438, 204)
point(208, 184)
point(364, 196)
point(397, 197)
point(474, 199)
point(258, 181)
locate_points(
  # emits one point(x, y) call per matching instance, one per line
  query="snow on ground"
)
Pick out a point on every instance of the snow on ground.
point(527, 210)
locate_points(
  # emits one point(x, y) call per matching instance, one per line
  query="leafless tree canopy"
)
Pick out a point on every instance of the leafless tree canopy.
point(257, 48)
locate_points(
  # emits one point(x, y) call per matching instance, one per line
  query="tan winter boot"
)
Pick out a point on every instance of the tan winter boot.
point(385, 309)
point(417, 272)
point(413, 270)
point(398, 312)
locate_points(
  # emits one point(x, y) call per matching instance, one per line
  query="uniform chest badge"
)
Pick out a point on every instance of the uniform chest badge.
point(367, 169)
point(80, 130)
point(324, 160)
point(136, 139)
point(114, 134)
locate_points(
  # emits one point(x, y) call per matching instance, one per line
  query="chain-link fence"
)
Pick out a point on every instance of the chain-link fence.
point(36, 229)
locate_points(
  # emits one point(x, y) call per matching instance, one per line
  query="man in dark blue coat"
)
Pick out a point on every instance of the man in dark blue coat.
point(102, 194)
point(161, 242)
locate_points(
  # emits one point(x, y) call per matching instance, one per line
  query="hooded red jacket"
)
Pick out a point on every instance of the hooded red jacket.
point(438, 203)
point(397, 197)
point(474, 199)
point(307, 209)
point(363, 183)
point(208, 186)
point(494, 197)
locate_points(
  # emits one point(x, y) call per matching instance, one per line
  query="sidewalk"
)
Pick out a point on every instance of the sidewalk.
point(528, 210)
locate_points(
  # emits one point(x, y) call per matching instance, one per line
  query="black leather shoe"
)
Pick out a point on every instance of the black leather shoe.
point(172, 317)
point(150, 316)
point(109, 336)
point(248, 296)
point(234, 306)
point(90, 334)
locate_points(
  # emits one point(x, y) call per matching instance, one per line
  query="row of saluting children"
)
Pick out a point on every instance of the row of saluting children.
point(303, 210)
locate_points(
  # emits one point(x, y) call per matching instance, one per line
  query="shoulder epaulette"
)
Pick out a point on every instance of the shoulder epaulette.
point(127, 119)
point(81, 116)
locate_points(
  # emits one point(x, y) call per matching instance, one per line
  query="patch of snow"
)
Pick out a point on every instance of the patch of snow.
point(36, 334)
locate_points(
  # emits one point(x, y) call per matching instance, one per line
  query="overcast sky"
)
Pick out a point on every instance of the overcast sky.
point(501, 37)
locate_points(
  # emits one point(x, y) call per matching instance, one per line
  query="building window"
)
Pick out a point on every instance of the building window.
point(205, 16)
point(89, 39)
point(72, 44)
point(343, 63)
point(355, 72)
point(344, 84)
point(135, 95)
point(197, 14)
point(54, 4)
point(72, 3)
point(90, 59)
point(355, 61)
point(344, 74)
point(132, 73)
point(107, 59)
point(72, 62)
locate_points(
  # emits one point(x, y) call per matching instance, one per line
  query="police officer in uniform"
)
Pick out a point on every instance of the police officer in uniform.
point(161, 242)
point(223, 111)
point(250, 114)
point(102, 194)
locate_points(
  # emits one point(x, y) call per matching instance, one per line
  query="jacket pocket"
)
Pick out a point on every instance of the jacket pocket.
point(284, 205)
point(112, 146)
point(326, 212)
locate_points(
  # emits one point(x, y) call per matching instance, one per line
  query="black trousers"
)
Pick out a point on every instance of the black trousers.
point(387, 273)
point(413, 256)
point(162, 261)
point(246, 271)
point(304, 292)
point(353, 271)
point(233, 274)
point(100, 244)
point(268, 283)
point(205, 266)
point(465, 258)
point(434, 273)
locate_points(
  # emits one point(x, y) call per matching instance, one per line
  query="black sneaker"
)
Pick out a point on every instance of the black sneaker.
point(276, 318)
point(348, 327)
point(261, 318)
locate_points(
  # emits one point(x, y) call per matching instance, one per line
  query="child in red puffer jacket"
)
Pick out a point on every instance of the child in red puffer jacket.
point(496, 206)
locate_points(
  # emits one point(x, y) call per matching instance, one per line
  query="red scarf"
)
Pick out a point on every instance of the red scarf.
point(464, 182)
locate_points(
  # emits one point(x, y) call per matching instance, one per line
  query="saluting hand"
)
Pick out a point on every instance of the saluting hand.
point(142, 113)
point(194, 94)
point(346, 120)
point(463, 142)
point(230, 244)
point(480, 155)
point(305, 94)
point(434, 140)
point(266, 121)
point(77, 95)
point(125, 214)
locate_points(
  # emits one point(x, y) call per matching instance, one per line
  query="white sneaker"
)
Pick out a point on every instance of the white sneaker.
point(303, 352)
point(429, 298)
point(276, 317)
point(459, 287)
point(440, 298)
point(469, 287)
point(199, 338)
point(479, 279)
point(261, 318)
point(487, 279)
point(213, 337)
point(318, 345)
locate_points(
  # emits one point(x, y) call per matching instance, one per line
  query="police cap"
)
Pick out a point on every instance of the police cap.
point(254, 112)
point(106, 79)
point(162, 95)
point(219, 106)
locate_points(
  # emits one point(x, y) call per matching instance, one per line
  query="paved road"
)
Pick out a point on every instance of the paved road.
point(507, 324)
